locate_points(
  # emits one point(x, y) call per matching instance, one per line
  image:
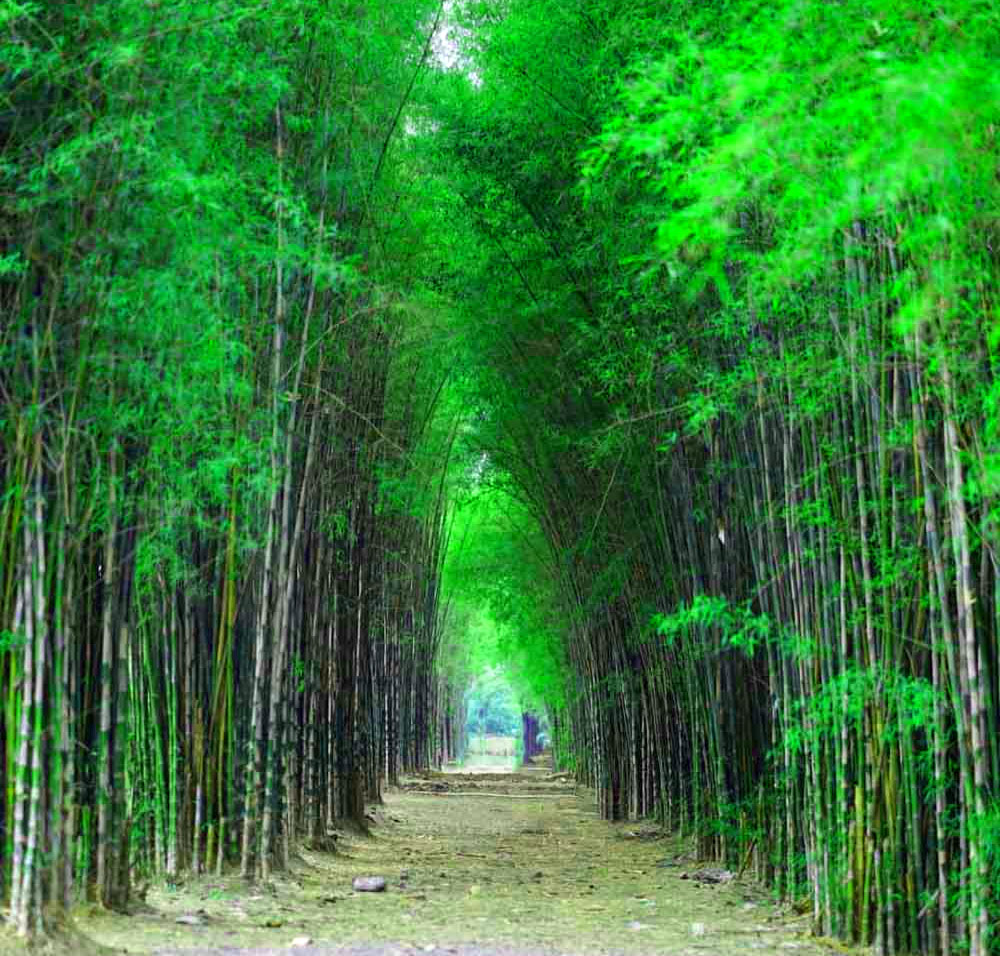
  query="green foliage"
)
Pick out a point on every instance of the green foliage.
point(988, 825)
point(11, 641)
point(739, 627)
point(643, 344)
point(200, 283)
point(871, 110)
point(502, 615)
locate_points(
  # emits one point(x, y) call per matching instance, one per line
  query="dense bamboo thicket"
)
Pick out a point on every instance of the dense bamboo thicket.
point(220, 533)
point(649, 349)
point(735, 300)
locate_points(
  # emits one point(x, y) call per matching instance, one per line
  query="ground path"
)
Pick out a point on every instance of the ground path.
point(480, 864)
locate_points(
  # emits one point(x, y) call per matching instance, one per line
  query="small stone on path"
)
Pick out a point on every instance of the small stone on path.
point(369, 884)
point(190, 919)
point(301, 941)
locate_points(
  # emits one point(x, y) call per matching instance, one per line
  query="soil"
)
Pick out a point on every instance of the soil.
point(498, 864)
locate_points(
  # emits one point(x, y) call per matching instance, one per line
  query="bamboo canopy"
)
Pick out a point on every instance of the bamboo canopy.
point(647, 350)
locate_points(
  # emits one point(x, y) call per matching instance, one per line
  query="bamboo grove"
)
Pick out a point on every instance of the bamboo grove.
point(735, 308)
point(651, 344)
point(219, 532)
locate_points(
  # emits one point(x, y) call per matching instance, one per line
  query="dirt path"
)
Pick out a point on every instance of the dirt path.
point(485, 864)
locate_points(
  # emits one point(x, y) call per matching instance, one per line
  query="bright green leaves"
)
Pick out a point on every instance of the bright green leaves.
point(824, 113)
point(11, 641)
point(845, 699)
point(504, 606)
point(738, 627)
point(14, 10)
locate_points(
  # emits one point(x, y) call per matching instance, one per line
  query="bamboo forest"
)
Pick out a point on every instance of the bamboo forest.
point(619, 379)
